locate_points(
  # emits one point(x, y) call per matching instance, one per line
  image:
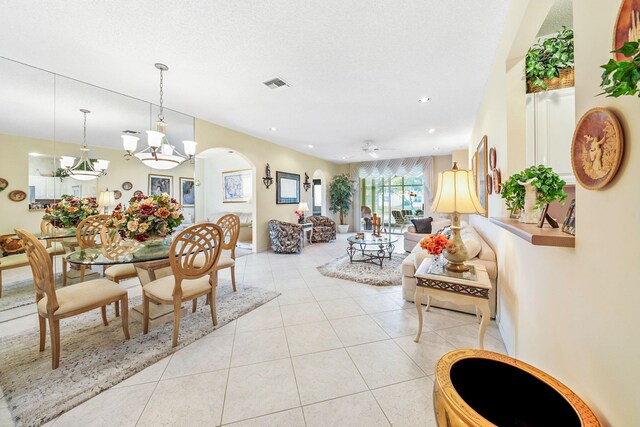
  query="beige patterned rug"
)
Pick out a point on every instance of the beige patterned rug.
point(389, 275)
point(20, 293)
point(96, 357)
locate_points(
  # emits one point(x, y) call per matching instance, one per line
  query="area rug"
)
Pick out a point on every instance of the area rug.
point(96, 357)
point(20, 293)
point(389, 275)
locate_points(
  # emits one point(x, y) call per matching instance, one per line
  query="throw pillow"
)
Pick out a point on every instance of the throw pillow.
point(471, 242)
point(422, 225)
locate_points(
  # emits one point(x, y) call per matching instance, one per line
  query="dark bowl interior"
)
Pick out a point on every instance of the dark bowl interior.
point(510, 397)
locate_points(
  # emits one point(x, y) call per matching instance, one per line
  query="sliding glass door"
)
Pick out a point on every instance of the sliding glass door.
point(396, 200)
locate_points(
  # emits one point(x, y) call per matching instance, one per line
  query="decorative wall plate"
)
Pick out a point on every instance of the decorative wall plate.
point(138, 193)
point(497, 181)
point(17, 195)
point(627, 26)
point(492, 158)
point(596, 151)
point(127, 185)
point(117, 194)
point(3, 184)
point(489, 184)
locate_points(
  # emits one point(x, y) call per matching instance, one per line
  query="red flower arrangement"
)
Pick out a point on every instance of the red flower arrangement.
point(434, 243)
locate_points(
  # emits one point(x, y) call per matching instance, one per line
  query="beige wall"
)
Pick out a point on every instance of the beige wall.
point(570, 312)
point(462, 158)
point(260, 152)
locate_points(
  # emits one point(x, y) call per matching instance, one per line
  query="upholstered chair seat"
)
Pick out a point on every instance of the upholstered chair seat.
point(324, 229)
point(286, 237)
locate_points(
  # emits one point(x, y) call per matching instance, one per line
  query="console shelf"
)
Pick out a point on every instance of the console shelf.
point(545, 236)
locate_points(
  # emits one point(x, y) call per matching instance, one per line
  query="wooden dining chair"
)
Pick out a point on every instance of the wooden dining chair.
point(54, 246)
point(87, 236)
point(190, 279)
point(54, 305)
point(230, 225)
point(115, 247)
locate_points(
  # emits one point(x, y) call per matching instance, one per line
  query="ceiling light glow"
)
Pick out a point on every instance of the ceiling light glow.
point(273, 129)
point(432, 130)
point(310, 146)
point(424, 99)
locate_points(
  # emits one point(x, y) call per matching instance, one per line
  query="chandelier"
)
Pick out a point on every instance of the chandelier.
point(159, 154)
point(86, 169)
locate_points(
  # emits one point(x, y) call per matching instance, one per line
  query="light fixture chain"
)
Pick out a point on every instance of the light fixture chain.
point(84, 133)
point(161, 114)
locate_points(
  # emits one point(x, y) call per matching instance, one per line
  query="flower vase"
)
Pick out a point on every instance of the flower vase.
point(531, 212)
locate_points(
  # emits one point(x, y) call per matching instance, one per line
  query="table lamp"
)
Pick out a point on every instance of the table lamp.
point(303, 207)
point(456, 195)
point(106, 199)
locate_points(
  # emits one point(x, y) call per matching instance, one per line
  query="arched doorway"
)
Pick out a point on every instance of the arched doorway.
point(225, 180)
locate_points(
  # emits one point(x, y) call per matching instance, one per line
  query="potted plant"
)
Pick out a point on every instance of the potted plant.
point(530, 190)
point(622, 77)
point(549, 64)
point(340, 195)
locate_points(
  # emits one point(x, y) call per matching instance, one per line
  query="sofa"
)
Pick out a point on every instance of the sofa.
point(286, 237)
point(324, 229)
point(485, 257)
point(411, 237)
point(246, 224)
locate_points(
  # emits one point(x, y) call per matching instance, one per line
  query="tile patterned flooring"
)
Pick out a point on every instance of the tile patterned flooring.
point(327, 352)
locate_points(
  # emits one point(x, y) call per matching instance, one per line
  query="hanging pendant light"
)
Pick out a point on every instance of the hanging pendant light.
point(85, 169)
point(159, 154)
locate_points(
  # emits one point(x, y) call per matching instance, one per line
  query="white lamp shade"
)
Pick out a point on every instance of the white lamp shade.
point(160, 161)
point(456, 193)
point(67, 161)
point(130, 142)
point(303, 207)
point(154, 138)
point(189, 147)
point(101, 165)
point(106, 198)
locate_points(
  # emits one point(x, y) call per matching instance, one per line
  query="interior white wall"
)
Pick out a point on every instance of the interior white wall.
point(569, 312)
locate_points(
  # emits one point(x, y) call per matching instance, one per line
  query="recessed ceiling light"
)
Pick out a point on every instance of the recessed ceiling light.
point(436, 148)
point(432, 130)
point(273, 129)
point(344, 157)
point(310, 145)
point(36, 154)
point(424, 99)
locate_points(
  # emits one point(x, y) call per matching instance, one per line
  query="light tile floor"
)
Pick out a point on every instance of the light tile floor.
point(327, 352)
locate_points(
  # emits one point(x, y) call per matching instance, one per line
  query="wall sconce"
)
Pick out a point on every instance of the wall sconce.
point(267, 180)
point(307, 184)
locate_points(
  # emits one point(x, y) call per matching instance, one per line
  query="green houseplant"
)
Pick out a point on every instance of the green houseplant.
point(548, 59)
point(340, 196)
point(529, 190)
point(622, 77)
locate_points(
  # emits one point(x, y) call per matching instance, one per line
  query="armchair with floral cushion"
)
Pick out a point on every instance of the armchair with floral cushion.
point(286, 237)
point(324, 229)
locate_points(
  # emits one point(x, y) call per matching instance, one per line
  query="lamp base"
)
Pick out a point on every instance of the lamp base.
point(456, 252)
point(456, 268)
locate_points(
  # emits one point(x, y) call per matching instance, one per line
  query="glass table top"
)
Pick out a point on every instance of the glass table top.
point(58, 233)
point(100, 255)
point(372, 240)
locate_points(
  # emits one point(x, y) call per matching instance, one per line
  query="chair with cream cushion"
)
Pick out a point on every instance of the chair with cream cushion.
point(230, 225)
point(190, 279)
point(87, 236)
point(54, 305)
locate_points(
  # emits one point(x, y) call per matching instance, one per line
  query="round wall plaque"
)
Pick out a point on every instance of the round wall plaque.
point(596, 151)
point(492, 158)
point(489, 184)
point(3, 184)
point(627, 26)
point(497, 181)
point(117, 194)
point(138, 193)
point(127, 185)
point(17, 195)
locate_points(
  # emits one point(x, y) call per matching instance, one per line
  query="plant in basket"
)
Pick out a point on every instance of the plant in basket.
point(434, 243)
point(147, 217)
point(69, 211)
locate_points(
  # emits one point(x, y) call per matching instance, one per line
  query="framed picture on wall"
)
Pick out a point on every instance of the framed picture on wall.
point(287, 188)
point(159, 184)
point(187, 192)
point(481, 173)
point(237, 186)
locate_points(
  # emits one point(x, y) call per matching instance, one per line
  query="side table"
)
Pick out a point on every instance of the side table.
point(307, 232)
point(458, 290)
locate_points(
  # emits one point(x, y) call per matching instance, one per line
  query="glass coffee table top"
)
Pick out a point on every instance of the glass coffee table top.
point(372, 240)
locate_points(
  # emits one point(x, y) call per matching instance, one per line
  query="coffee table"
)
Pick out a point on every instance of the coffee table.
point(372, 249)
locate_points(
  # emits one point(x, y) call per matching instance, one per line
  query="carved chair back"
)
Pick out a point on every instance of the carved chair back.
point(41, 268)
point(230, 224)
point(89, 229)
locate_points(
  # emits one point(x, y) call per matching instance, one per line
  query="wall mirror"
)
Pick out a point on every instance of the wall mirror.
point(41, 121)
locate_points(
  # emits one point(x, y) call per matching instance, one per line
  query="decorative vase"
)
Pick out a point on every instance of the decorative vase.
point(343, 228)
point(531, 213)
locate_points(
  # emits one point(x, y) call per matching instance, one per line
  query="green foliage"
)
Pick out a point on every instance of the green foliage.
point(622, 77)
point(340, 195)
point(549, 185)
point(545, 60)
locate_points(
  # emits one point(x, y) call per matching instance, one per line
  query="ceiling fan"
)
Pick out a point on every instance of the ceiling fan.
point(371, 149)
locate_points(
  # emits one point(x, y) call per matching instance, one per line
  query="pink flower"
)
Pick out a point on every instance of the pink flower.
point(147, 210)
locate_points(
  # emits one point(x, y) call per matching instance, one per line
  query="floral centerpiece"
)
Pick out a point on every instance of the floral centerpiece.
point(69, 211)
point(434, 243)
point(147, 217)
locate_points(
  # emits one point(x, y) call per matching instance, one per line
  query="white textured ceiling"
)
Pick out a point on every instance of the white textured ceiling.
point(356, 68)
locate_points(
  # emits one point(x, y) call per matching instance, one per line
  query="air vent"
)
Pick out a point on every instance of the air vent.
point(130, 132)
point(275, 83)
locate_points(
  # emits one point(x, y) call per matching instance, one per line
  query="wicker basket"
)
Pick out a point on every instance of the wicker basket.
point(566, 79)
